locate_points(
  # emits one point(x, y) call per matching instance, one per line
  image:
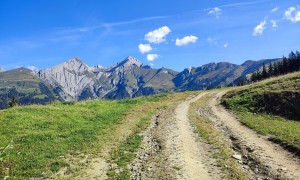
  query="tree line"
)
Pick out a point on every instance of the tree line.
point(286, 65)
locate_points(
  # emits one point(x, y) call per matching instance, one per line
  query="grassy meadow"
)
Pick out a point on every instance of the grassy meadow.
point(36, 140)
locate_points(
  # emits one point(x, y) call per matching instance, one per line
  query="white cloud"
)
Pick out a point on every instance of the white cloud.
point(158, 36)
point(274, 9)
point(186, 40)
point(32, 68)
point(151, 64)
point(225, 45)
point(144, 48)
point(216, 12)
point(152, 57)
point(292, 14)
point(212, 41)
point(259, 29)
point(274, 24)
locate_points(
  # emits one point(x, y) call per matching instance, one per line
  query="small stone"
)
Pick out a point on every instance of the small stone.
point(250, 149)
point(283, 169)
point(237, 157)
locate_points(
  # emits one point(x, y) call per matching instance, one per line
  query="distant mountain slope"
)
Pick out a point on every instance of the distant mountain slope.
point(215, 74)
point(26, 86)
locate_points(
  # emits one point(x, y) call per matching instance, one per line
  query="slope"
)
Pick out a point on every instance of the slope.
point(23, 84)
point(270, 107)
point(216, 74)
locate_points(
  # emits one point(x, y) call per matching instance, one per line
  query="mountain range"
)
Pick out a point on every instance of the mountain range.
point(75, 80)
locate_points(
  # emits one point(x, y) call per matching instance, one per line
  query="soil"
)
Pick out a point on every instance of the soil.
point(172, 149)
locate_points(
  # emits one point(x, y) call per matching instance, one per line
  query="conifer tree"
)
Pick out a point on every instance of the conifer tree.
point(14, 102)
point(270, 70)
point(264, 73)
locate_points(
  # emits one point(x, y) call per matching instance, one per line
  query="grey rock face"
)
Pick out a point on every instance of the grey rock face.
point(76, 80)
point(72, 77)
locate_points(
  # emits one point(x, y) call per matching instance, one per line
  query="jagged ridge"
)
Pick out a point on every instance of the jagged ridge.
point(75, 80)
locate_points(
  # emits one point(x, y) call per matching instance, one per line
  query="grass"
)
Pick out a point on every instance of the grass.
point(34, 139)
point(281, 129)
point(221, 149)
point(125, 153)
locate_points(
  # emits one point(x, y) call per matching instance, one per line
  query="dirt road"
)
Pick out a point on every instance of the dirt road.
point(183, 147)
point(274, 158)
point(185, 155)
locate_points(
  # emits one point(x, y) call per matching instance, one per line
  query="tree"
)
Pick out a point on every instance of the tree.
point(254, 77)
point(270, 69)
point(297, 55)
point(285, 65)
point(258, 75)
point(275, 69)
point(292, 55)
point(14, 102)
point(297, 61)
point(264, 73)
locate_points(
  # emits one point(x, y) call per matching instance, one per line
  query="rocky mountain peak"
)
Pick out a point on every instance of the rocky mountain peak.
point(130, 61)
point(127, 64)
point(1, 69)
point(75, 64)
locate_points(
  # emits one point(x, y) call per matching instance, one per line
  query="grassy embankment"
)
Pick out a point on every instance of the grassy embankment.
point(270, 107)
point(221, 151)
point(34, 140)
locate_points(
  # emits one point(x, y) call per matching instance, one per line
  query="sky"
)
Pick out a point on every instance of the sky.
point(173, 34)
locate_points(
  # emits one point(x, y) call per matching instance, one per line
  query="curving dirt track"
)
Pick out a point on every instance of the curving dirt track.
point(186, 154)
point(272, 156)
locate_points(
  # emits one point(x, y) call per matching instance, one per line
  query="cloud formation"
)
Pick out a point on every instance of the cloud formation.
point(274, 9)
point(158, 36)
point(144, 48)
point(292, 14)
point(152, 57)
point(211, 40)
point(259, 29)
point(216, 12)
point(225, 45)
point(32, 68)
point(274, 24)
point(186, 40)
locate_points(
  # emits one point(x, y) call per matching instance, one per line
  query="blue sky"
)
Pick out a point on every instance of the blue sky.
point(173, 34)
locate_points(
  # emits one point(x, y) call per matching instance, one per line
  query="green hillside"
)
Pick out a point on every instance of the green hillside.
point(22, 84)
point(37, 141)
point(271, 107)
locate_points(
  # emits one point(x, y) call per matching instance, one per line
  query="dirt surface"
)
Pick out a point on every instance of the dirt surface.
point(274, 161)
point(172, 150)
point(184, 147)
